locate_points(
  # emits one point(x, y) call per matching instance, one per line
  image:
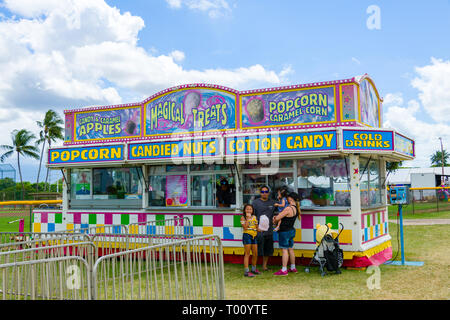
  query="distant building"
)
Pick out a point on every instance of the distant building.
point(420, 178)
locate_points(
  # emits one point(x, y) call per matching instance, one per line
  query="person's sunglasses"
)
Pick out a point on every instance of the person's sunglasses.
point(264, 191)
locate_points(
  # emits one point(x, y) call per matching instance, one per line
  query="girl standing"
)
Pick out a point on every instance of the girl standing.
point(250, 224)
point(281, 205)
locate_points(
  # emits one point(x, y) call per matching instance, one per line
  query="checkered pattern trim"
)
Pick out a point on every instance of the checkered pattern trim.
point(226, 226)
point(374, 224)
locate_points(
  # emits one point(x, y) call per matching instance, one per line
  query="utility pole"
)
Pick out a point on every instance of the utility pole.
point(442, 162)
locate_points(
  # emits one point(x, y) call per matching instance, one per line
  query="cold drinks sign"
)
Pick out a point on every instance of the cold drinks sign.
point(368, 140)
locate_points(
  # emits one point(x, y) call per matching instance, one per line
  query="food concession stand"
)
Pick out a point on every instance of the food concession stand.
point(201, 151)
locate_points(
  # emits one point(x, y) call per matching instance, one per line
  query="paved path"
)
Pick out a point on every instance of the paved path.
point(421, 222)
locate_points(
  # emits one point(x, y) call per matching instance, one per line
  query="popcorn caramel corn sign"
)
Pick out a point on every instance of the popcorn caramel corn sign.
point(288, 107)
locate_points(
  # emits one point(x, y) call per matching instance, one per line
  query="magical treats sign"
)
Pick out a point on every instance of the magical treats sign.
point(190, 110)
point(288, 107)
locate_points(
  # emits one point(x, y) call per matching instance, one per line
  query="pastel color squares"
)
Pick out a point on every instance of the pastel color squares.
point(188, 230)
point(37, 217)
point(169, 230)
point(298, 235)
point(58, 217)
point(217, 220)
point(207, 220)
point(208, 230)
point(334, 222)
point(151, 229)
point(125, 219)
point(159, 218)
point(307, 222)
point(228, 220)
point(197, 220)
point(134, 229)
point(345, 236)
point(92, 218)
point(308, 235)
point(108, 218)
point(227, 234)
point(36, 227)
point(142, 217)
point(116, 219)
point(237, 221)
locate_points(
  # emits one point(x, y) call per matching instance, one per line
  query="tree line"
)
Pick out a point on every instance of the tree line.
point(26, 145)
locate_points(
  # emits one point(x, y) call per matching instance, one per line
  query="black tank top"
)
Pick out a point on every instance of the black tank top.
point(287, 223)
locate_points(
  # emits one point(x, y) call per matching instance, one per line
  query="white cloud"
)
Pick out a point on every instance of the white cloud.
point(214, 8)
point(393, 99)
point(433, 83)
point(356, 60)
point(64, 54)
point(407, 120)
point(174, 3)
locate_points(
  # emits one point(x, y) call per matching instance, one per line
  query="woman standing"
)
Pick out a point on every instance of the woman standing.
point(286, 233)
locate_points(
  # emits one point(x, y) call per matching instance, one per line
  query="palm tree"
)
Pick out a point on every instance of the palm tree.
point(21, 140)
point(436, 158)
point(51, 131)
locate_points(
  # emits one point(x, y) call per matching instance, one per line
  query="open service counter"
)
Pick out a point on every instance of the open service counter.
point(203, 151)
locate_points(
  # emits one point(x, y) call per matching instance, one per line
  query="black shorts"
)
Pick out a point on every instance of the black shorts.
point(265, 245)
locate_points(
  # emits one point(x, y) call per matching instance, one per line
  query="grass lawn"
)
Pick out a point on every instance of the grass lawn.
point(426, 210)
point(422, 243)
point(14, 227)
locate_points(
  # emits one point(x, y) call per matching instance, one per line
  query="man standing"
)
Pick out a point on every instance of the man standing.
point(264, 206)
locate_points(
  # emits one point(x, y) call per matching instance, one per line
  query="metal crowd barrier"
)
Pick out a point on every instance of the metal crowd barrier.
point(63, 278)
point(14, 237)
point(94, 265)
point(44, 272)
point(183, 269)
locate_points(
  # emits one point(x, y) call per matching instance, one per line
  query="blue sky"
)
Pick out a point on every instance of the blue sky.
point(66, 54)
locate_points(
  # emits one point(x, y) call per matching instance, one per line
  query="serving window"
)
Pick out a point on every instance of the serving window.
point(323, 182)
point(198, 185)
point(280, 174)
point(370, 182)
point(117, 187)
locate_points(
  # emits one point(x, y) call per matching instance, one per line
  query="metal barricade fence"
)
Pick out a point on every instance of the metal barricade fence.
point(12, 237)
point(115, 238)
point(47, 241)
point(19, 265)
point(182, 269)
point(60, 278)
point(131, 265)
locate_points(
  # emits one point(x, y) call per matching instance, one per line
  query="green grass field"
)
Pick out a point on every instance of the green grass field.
point(422, 243)
point(421, 210)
